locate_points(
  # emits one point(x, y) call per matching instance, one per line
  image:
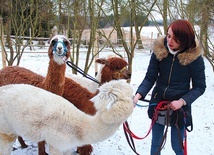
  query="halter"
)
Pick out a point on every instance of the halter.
point(55, 50)
point(117, 74)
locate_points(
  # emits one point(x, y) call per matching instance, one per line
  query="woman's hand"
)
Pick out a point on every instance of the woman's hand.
point(136, 98)
point(177, 104)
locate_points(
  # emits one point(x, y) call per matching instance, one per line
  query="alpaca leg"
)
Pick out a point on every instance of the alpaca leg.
point(53, 151)
point(6, 144)
point(68, 153)
point(5, 148)
point(22, 142)
point(41, 148)
point(85, 150)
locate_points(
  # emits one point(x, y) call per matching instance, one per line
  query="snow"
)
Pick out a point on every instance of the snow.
point(199, 141)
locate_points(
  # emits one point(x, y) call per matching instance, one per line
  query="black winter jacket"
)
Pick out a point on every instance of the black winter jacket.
point(175, 76)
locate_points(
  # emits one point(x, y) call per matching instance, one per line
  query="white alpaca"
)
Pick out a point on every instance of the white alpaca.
point(86, 83)
point(39, 115)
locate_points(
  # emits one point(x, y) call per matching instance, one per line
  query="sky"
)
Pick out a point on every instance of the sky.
point(199, 141)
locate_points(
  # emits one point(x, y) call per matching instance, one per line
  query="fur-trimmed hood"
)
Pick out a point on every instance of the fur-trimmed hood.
point(185, 58)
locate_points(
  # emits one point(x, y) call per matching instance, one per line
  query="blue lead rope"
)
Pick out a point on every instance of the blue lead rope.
point(152, 104)
point(79, 70)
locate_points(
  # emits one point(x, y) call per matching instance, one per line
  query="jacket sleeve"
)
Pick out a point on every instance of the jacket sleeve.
point(197, 72)
point(150, 78)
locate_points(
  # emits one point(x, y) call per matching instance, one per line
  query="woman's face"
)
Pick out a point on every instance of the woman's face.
point(173, 43)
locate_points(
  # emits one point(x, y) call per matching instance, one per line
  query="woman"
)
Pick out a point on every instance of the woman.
point(175, 64)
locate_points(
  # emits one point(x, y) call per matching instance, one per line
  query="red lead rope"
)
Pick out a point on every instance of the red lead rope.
point(185, 142)
point(161, 106)
point(129, 137)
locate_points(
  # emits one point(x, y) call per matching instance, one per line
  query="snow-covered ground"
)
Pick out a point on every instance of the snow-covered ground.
point(199, 142)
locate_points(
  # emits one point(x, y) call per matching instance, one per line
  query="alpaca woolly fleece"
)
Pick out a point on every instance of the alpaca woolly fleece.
point(39, 115)
point(90, 85)
point(119, 92)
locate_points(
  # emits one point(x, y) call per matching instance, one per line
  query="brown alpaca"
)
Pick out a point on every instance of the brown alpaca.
point(111, 68)
point(58, 52)
point(54, 80)
point(73, 92)
point(114, 68)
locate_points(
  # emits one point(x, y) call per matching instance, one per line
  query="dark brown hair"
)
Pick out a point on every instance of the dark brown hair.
point(184, 33)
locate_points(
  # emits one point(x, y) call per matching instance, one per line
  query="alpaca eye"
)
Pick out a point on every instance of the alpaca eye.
point(65, 42)
point(118, 68)
point(54, 42)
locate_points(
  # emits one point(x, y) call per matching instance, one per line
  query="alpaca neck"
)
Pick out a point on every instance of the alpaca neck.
point(98, 76)
point(80, 128)
point(105, 78)
point(104, 75)
point(55, 78)
point(96, 130)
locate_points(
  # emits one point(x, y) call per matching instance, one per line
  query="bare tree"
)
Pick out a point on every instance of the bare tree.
point(133, 5)
point(94, 8)
point(79, 11)
point(22, 15)
point(205, 22)
point(199, 13)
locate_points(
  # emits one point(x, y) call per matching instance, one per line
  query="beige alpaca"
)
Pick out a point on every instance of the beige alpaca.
point(43, 116)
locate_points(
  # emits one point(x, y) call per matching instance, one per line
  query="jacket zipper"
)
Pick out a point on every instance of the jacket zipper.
point(170, 74)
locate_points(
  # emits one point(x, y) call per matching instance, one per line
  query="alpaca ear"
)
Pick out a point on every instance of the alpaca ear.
point(104, 99)
point(101, 61)
point(111, 96)
point(109, 105)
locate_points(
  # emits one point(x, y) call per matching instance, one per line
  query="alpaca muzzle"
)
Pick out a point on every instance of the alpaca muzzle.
point(60, 49)
point(122, 74)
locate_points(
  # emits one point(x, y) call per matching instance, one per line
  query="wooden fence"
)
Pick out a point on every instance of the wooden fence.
point(42, 44)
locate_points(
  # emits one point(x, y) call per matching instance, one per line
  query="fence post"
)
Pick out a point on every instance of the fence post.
point(96, 49)
point(151, 42)
point(2, 43)
point(158, 35)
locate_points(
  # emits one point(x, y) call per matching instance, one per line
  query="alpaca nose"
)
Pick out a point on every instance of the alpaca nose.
point(60, 48)
point(130, 74)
